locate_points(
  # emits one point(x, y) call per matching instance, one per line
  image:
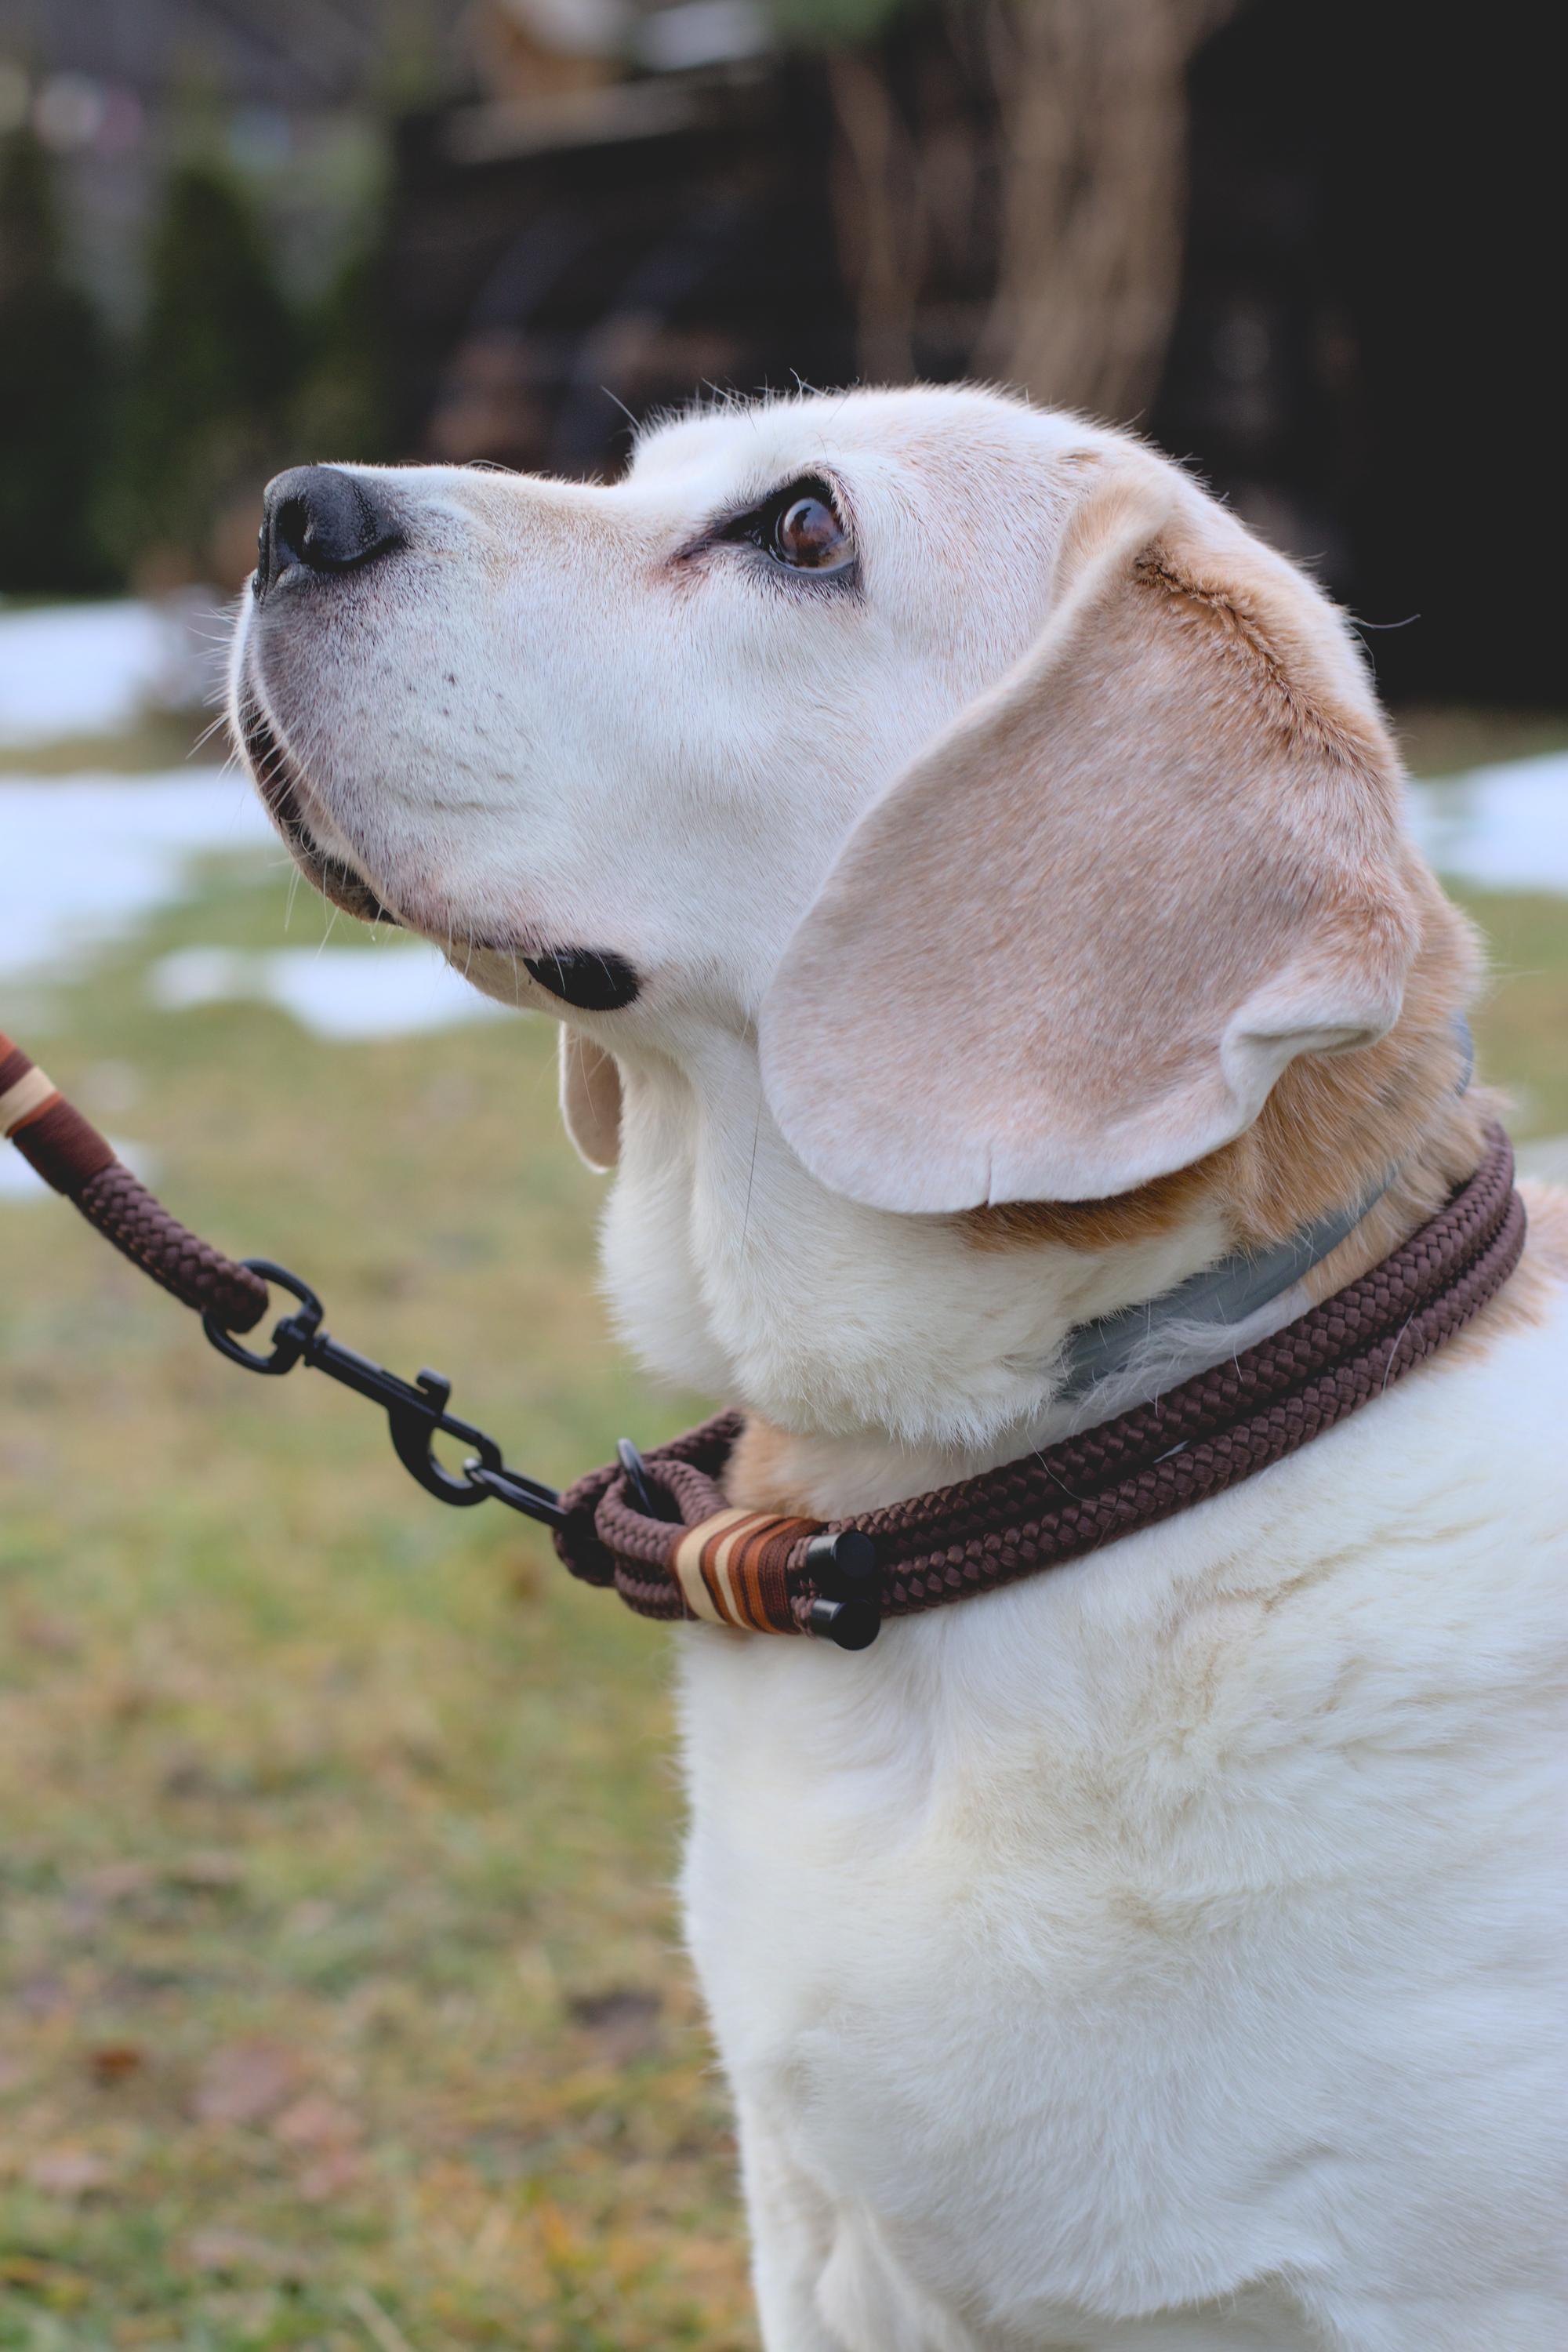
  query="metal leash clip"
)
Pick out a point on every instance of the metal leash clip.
point(415, 1410)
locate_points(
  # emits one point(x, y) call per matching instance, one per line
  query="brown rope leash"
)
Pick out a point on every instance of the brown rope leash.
point(67, 1151)
point(662, 1532)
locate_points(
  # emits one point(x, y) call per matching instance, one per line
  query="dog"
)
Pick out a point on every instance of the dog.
point(971, 873)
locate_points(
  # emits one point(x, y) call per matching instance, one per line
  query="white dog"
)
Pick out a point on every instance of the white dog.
point(972, 872)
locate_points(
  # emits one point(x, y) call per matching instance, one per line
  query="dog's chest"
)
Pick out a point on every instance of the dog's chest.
point(935, 1945)
point(1066, 1934)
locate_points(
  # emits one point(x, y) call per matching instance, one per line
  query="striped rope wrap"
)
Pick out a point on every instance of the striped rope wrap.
point(734, 1569)
point(1214, 1429)
point(67, 1151)
point(724, 1566)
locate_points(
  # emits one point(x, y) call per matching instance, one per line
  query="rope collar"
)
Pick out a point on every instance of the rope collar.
point(663, 1533)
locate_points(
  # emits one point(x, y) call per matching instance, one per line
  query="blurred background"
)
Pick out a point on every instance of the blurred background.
point(339, 1996)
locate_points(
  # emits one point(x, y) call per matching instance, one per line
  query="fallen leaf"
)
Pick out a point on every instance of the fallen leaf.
point(68, 2172)
point(245, 2082)
point(237, 2253)
point(115, 2061)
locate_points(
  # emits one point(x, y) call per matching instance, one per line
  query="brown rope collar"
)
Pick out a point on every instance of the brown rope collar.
point(661, 1532)
point(843, 1575)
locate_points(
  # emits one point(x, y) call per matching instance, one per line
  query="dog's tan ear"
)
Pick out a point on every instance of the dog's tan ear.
point(591, 1099)
point(1075, 946)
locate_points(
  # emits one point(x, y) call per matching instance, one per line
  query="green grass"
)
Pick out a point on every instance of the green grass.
point(1444, 738)
point(341, 2003)
point(157, 739)
point(1521, 1027)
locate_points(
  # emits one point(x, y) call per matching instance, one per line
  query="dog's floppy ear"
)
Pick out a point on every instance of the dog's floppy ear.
point(591, 1099)
point(1075, 946)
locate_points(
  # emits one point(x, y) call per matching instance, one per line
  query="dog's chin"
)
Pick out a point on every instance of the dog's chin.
point(594, 979)
point(278, 783)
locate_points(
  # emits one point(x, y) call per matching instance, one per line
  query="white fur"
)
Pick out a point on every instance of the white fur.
point(1162, 1953)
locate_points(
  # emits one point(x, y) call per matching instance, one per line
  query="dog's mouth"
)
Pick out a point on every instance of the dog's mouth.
point(278, 783)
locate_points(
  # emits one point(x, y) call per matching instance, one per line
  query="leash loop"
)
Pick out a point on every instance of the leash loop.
point(291, 1335)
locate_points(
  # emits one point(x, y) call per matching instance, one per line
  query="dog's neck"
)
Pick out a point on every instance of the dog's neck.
point(878, 1355)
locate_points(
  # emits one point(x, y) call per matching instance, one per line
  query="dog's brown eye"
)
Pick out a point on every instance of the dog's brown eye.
point(798, 527)
point(809, 535)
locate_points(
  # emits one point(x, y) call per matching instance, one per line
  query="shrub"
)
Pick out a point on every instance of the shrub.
point(215, 366)
point(53, 407)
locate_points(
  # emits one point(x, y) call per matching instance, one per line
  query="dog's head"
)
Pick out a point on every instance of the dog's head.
point(1033, 815)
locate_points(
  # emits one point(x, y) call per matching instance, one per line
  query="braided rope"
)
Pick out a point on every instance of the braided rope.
point(68, 1152)
point(142, 1229)
point(1213, 1430)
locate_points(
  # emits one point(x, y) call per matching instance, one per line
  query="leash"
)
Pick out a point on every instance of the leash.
point(660, 1532)
point(231, 1297)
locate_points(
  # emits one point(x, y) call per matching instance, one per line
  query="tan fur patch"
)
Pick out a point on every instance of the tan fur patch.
point(1329, 725)
point(1332, 1128)
point(1333, 1125)
point(755, 1478)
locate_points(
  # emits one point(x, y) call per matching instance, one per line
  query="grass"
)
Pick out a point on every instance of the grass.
point(1521, 1027)
point(157, 739)
point(1443, 739)
point(341, 2002)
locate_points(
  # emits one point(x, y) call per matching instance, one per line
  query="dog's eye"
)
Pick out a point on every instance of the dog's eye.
point(799, 526)
point(806, 533)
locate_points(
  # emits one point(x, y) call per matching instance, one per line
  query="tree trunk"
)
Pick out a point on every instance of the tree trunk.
point(1092, 102)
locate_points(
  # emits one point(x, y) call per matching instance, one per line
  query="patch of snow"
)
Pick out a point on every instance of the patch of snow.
point(394, 989)
point(86, 669)
point(1502, 828)
point(1547, 1159)
point(84, 857)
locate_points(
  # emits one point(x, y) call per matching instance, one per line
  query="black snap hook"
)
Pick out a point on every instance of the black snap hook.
point(415, 1410)
point(414, 1421)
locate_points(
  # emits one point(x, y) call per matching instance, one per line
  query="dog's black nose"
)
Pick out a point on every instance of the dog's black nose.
point(322, 519)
